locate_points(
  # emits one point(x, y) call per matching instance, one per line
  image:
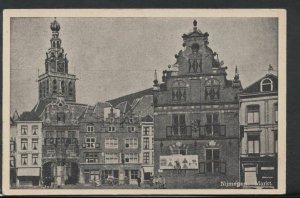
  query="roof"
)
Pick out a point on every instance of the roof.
point(29, 116)
point(130, 97)
point(40, 106)
point(147, 118)
point(255, 87)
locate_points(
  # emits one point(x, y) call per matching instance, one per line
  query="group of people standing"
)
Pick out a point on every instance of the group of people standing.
point(159, 182)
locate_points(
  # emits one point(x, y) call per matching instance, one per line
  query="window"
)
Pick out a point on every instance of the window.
point(131, 120)
point(35, 159)
point(134, 174)
point(12, 146)
point(152, 158)
point(266, 85)
point(91, 157)
point(276, 112)
point(35, 143)
point(24, 159)
point(253, 145)
point(212, 124)
point(146, 143)
point(71, 134)
point(35, 130)
point(146, 130)
point(179, 151)
point(62, 87)
point(111, 143)
point(131, 129)
point(179, 125)
point(213, 161)
point(90, 128)
point(131, 143)
point(114, 173)
point(179, 91)
point(212, 89)
point(60, 135)
point(275, 141)
point(24, 130)
point(111, 129)
point(49, 134)
point(70, 89)
point(61, 117)
point(146, 158)
point(253, 114)
point(54, 82)
point(12, 161)
point(24, 144)
point(195, 64)
point(111, 158)
point(90, 142)
point(131, 158)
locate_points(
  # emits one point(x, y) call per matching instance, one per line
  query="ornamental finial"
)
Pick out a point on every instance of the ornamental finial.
point(195, 23)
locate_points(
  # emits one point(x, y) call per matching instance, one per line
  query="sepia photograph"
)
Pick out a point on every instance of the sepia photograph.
point(144, 101)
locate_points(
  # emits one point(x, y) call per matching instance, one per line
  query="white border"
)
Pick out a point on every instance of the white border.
point(278, 13)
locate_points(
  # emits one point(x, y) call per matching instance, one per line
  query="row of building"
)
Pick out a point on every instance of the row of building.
point(196, 128)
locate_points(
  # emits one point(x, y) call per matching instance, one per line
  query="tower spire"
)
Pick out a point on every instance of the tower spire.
point(155, 79)
point(236, 74)
point(195, 25)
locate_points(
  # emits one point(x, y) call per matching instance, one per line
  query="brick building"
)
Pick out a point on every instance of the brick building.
point(109, 146)
point(259, 132)
point(196, 122)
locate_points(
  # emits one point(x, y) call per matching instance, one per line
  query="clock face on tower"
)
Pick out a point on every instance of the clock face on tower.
point(60, 67)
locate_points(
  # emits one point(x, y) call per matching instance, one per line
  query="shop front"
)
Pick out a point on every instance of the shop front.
point(28, 177)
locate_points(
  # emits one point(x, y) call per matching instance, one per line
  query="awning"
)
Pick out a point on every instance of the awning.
point(148, 169)
point(28, 172)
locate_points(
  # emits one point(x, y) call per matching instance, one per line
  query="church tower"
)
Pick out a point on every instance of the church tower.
point(56, 76)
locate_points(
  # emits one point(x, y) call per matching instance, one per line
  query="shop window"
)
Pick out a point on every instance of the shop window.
point(212, 89)
point(134, 174)
point(253, 114)
point(253, 144)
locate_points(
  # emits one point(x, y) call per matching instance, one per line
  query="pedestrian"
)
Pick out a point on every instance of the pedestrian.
point(139, 181)
point(155, 181)
point(159, 181)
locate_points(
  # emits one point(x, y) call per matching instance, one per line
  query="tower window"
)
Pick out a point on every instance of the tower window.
point(266, 85)
point(70, 89)
point(63, 86)
point(54, 86)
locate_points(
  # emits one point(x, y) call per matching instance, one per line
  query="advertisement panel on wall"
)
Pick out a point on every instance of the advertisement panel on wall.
point(178, 162)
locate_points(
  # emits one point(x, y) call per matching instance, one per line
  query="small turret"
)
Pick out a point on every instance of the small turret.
point(155, 82)
point(236, 83)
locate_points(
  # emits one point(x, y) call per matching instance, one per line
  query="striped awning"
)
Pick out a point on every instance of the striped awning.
point(28, 172)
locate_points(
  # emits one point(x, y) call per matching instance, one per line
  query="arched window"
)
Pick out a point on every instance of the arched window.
point(212, 89)
point(179, 91)
point(266, 85)
point(54, 86)
point(70, 89)
point(62, 86)
point(40, 90)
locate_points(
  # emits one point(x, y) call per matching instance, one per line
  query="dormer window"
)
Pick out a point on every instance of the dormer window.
point(266, 85)
point(90, 128)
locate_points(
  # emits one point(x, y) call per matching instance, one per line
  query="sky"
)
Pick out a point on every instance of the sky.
point(112, 57)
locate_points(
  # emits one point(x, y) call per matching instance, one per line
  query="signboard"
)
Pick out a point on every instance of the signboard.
point(178, 162)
